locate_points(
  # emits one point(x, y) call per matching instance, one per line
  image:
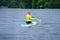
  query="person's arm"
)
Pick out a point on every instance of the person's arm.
point(32, 18)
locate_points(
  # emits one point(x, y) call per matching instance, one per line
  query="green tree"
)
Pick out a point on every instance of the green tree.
point(30, 3)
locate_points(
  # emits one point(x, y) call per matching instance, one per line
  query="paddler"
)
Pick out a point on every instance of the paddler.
point(29, 18)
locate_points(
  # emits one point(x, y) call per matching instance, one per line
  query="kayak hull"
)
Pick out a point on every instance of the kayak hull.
point(32, 24)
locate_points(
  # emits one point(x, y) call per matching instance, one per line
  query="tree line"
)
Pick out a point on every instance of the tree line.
point(30, 4)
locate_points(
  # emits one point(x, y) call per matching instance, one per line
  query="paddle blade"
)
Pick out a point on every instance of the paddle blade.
point(40, 20)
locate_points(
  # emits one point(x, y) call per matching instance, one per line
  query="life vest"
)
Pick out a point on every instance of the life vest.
point(29, 18)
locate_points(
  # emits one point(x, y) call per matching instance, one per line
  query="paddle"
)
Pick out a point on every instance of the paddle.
point(33, 17)
point(39, 20)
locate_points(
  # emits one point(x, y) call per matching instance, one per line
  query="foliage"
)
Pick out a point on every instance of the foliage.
point(30, 4)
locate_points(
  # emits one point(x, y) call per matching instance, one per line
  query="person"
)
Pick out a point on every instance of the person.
point(29, 18)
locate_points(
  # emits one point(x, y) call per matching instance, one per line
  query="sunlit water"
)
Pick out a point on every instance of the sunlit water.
point(11, 20)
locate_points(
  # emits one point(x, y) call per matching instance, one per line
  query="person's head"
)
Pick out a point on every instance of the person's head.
point(28, 12)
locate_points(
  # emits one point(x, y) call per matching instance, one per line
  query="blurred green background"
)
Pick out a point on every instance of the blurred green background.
point(30, 4)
